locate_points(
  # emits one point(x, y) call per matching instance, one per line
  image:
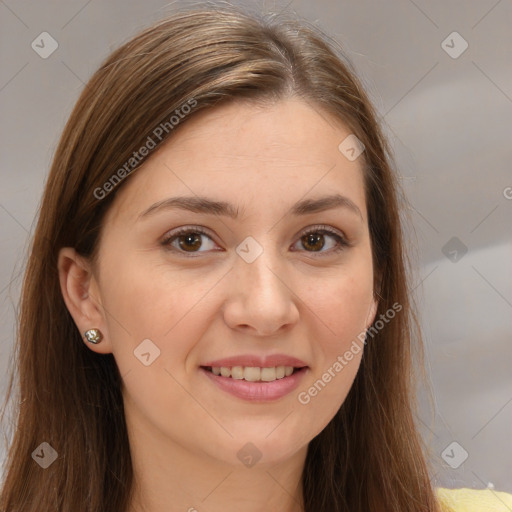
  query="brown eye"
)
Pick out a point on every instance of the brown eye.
point(188, 240)
point(314, 240)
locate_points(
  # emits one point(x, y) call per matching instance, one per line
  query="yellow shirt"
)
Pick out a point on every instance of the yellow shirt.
point(473, 500)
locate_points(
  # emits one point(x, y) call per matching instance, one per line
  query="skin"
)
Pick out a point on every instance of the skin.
point(184, 432)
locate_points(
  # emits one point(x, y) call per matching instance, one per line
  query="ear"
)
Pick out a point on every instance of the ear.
point(81, 295)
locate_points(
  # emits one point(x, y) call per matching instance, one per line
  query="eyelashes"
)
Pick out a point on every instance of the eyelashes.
point(341, 242)
point(189, 237)
point(185, 233)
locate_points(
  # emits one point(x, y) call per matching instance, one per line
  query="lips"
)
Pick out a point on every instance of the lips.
point(256, 378)
point(255, 368)
point(260, 390)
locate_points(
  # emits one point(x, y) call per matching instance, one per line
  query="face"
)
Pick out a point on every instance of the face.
point(264, 276)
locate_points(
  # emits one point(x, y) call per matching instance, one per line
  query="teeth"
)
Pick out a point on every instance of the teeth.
point(237, 372)
point(268, 374)
point(253, 373)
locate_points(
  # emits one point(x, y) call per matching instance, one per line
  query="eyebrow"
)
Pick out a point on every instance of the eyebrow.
point(201, 204)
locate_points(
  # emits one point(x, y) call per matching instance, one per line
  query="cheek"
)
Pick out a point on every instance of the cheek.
point(145, 301)
point(341, 308)
point(155, 317)
point(341, 305)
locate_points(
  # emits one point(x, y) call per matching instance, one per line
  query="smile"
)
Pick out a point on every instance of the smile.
point(253, 383)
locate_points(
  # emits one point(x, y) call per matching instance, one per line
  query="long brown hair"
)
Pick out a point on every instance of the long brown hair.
point(370, 456)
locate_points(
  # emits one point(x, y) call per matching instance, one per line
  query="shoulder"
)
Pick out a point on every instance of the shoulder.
point(474, 500)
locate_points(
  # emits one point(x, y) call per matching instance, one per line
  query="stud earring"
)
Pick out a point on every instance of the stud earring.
point(93, 336)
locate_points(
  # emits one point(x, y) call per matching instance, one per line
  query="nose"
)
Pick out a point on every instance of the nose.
point(260, 300)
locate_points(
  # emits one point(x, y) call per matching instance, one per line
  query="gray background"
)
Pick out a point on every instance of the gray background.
point(449, 122)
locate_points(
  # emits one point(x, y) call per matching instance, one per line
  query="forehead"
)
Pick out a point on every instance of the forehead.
point(240, 151)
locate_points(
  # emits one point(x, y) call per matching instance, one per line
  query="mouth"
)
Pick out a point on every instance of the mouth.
point(256, 384)
point(254, 373)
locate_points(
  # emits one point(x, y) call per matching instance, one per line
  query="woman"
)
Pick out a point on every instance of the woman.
point(215, 311)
